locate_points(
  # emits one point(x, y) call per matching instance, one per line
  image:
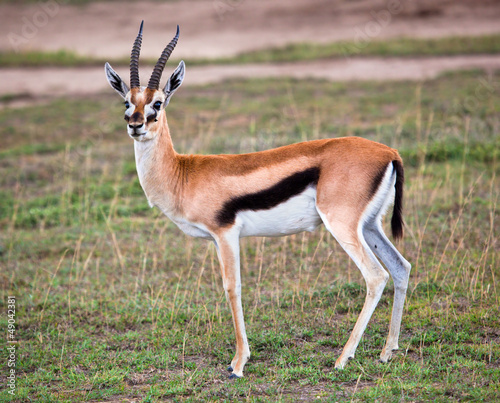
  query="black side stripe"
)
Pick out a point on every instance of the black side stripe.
point(268, 198)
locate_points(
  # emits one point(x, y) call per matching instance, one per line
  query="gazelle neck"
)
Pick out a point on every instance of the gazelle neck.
point(155, 161)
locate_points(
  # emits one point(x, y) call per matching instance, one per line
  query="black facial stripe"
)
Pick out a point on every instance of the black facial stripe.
point(152, 116)
point(268, 198)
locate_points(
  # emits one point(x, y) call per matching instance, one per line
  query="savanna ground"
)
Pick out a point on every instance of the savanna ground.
point(114, 303)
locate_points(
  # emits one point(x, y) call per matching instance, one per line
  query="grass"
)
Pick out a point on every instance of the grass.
point(398, 47)
point(114, 303)
point(60, 58)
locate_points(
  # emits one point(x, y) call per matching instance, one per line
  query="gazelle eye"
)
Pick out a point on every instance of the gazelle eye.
point(127, 104)
point(157, 105)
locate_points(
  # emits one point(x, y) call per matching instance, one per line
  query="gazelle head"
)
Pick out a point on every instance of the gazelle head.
point(145, 105)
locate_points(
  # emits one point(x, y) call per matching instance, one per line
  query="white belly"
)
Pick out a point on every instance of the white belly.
point(295, 215)
point(192, 229)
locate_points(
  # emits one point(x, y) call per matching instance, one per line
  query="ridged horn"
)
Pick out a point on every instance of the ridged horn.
point(134, 60)
point(154, 81)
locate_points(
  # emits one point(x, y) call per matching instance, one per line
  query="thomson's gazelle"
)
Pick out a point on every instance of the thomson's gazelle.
point(345, 183)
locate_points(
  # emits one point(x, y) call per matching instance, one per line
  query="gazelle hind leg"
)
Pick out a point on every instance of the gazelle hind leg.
point(229, 255)
point(353, 242)
point(399, 268)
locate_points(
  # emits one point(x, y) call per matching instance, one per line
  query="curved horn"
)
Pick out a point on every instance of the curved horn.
point(134, 60)
point(154, 81)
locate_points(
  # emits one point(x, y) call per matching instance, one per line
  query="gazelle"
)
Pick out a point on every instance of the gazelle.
point(345, 183)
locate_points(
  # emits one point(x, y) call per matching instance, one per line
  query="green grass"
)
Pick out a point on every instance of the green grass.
point(399, 47)
point(115, 303)
point(402, 47)
point(60, 58)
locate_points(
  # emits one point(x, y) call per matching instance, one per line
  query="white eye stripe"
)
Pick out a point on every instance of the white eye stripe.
point(130, 110)
point(150, 109)
point(151, 112)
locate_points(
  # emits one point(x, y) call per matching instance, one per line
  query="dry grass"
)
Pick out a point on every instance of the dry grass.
point(114, 303)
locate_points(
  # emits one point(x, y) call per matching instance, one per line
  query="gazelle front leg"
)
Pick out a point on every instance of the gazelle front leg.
point(228, 250)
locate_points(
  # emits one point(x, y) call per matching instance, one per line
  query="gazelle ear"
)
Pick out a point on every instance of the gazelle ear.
point(115, 81)
point(174, 81)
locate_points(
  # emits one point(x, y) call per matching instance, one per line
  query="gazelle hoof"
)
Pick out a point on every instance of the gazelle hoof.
point(229, 369)
point(387, 354)
point(341, 362)
point(234, 376)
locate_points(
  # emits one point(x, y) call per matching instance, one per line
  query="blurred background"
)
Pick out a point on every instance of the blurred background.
point(236, 34)
point(114, 303)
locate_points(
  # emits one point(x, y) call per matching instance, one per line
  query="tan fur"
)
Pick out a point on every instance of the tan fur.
point(200, 184)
